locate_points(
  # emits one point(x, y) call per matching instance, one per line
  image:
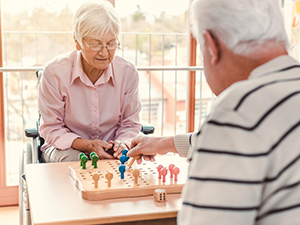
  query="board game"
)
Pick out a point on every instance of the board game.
point(104, 182)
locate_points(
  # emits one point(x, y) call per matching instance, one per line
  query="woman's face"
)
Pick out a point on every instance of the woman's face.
point(95, 54)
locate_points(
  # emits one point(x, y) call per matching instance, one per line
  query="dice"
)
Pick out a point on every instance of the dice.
point(160, 195)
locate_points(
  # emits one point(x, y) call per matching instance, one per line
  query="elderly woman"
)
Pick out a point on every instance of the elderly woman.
point(88, 98)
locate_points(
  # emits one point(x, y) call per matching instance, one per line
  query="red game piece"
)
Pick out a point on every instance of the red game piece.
point(171, 166)
point(176, 171)
point(164, 172)
point(159, 171)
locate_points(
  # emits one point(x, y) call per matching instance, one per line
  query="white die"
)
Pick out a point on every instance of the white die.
point(160, 195)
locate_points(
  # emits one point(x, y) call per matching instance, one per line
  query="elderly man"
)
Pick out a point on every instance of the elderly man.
point(244, 161)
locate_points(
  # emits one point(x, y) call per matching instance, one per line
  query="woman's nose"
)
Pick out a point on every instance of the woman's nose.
point(103, 51)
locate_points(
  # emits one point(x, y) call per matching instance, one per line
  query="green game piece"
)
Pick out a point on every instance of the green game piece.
point(84, 159)
point(93, 153)
point(91, 156)
point(79, 156)
point(95, 159)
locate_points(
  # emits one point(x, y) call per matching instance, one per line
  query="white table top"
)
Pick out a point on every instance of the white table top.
point(54, 199)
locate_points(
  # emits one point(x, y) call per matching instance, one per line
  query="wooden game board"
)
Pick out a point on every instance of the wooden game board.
point(122, 188)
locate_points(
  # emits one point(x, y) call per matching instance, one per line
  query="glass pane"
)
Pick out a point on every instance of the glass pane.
point(155, 34)
point(20, 94)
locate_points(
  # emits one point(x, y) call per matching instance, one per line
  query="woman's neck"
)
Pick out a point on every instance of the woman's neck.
point(93, 73)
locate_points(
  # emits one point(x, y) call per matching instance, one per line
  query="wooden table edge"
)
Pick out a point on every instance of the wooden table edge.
point(119, 219)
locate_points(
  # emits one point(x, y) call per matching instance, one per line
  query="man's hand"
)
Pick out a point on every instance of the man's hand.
point(148, 147)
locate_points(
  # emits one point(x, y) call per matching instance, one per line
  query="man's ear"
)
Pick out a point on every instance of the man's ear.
point(212, 46)
point(77, 45)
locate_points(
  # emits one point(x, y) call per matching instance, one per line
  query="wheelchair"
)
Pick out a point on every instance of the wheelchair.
point(32, 154)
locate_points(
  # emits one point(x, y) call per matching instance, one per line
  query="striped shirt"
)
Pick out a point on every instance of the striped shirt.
point(244, 162)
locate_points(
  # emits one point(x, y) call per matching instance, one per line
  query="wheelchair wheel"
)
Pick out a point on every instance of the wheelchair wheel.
point(24, 210)
point(21, 187)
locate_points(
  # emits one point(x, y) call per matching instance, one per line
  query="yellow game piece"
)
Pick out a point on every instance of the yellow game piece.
point(135, 174)
point(109, 176)
point(96, 177)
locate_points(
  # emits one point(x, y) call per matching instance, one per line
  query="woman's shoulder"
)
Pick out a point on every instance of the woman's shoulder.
point(66, 59)
point(123, 62)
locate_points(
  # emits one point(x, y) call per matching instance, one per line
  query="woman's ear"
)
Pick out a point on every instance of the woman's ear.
point(212, 46)
point(77, 45)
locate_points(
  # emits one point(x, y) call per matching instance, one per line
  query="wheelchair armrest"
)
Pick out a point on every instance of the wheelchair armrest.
point(147, 129)
point(31, 129)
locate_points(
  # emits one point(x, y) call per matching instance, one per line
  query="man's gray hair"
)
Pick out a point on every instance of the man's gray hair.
point(95, 19)
point(242, 25)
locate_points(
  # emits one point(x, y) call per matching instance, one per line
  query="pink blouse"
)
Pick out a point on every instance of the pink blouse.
point(72, 106)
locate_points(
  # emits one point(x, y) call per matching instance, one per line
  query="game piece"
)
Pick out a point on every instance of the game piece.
point(95, 178)
point(159, 171)
point(171, 166)
point(126, 188)
point(122, 169)
point(124, 152)
point(109, 176)
point(176, 171)
point(135, 174)
point(79, 156)
point(95, 159)
point(92, 153)
point(133, 159)
point(124, 159)
point(164, 172)
point(84, 159)
point(160, 195)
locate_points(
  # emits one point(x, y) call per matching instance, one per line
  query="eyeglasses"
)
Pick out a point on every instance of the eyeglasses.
point(98, 48)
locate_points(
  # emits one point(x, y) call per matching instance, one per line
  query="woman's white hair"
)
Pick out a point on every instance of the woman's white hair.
point(242, 25)
point(95, 19)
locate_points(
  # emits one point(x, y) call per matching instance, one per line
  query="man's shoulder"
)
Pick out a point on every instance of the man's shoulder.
point(230, 97)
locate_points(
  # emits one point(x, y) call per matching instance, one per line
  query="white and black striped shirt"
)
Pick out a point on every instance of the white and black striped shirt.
point(245, 160)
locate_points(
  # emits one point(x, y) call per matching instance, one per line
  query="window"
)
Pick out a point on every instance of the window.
point(154, 33)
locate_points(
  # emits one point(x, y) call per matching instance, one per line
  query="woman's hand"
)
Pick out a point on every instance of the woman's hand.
point(119, 146)
point(97, 146)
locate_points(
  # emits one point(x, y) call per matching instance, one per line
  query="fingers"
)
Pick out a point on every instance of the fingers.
point(119, 146)
point(108, 145)
point(135, 141)
point(99, 147)
point(104, 155)
point(139, 160)
point(133, 152)
point(152, 158)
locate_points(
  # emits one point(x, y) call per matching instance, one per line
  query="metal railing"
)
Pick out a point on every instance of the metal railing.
point(147, 69)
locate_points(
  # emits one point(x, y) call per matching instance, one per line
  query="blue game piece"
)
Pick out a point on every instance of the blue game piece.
point(124, 152)
point(122, 169)
point(124, 159)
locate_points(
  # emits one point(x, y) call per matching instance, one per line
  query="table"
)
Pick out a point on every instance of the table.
point(54, 199)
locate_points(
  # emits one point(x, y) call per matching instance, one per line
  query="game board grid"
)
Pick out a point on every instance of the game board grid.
point(148, 180)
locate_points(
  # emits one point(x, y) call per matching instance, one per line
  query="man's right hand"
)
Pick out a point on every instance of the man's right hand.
point(148, 147)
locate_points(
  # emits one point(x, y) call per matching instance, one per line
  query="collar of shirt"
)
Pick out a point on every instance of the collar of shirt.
point(107, 76)
point(273, 66)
